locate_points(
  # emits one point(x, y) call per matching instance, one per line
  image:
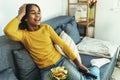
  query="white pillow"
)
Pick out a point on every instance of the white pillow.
point(70, 43)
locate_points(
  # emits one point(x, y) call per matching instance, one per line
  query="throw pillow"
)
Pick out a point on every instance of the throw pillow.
point(72, 30)
point(7, 74)
point(70, 43)
point(27, 68)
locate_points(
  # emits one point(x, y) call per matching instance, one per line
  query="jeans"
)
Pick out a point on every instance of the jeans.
point(73, 73)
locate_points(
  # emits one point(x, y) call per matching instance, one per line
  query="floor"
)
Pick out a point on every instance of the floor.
point(116, 73)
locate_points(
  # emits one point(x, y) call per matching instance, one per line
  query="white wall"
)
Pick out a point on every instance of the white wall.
point(9, 9)
point(64, 7)
point(108, 20)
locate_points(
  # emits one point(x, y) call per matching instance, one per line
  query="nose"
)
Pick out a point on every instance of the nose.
point(37, 14)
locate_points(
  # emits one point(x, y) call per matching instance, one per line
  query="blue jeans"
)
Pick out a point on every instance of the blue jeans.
point(73, 73)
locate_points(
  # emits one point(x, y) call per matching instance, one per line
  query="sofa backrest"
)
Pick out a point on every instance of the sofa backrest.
point(66, 24)
point(6, 47)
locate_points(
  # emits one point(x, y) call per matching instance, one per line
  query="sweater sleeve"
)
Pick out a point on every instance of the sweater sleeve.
point(11, 30)
point(57, 40)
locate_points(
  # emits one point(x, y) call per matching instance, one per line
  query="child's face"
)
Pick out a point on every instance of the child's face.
point(34, 17)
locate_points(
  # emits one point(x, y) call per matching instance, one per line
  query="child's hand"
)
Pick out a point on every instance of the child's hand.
point(21, 12)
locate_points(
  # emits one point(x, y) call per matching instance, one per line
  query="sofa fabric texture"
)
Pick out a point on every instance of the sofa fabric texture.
point(71, 29)
point(26, 67)
point(3, 58)
point(7, 74)
point(6, 47)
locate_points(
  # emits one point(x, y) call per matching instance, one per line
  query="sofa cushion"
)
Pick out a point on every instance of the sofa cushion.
point(58, 21)
point(58, 30)
point(27, 68)
point(4, 50)
point(6, 45)
point(7, 74)
point(71, 29)
point(71, 44)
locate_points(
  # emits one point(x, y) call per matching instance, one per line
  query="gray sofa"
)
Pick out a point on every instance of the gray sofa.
point(16, 64)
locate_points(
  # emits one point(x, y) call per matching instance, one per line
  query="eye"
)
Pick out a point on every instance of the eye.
point(38, 12)
point(32, 12)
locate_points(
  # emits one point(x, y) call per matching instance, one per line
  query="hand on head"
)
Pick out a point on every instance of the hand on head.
point(21, 12)
point(22, 9)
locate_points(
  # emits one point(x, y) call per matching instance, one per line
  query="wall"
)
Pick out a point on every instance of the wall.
point(9, 9)
point(107, 25)
point(108, 20)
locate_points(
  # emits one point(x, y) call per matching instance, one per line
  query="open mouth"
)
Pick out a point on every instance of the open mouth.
point(37, 19)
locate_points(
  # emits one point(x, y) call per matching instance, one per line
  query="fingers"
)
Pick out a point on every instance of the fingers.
point(23, 6)
point(22, 9)
point(87, 71)
point(21, 12)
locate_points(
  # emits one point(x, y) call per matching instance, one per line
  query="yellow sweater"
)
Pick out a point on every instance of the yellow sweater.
point(39, 43)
